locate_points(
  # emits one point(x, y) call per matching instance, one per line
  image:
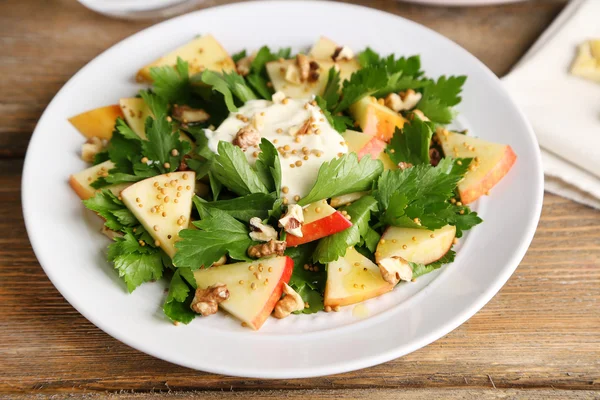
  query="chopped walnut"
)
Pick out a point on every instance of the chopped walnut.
point(313, 74)
point(93, 146)
point(395, 269)
point(187, 114)
point(246, 137)
point(291, 302)
point(304, 66)
point(404, 165)
point(420, 114)
point(267, 249)
point(206, 301)
point(292, 221)
point(243, 65)
point(261, 232)
point(434, 156)
point(406, 100)
point(342, 53)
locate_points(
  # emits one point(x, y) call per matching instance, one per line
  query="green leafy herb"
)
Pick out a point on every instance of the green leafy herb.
point(411, 144)
point(241, 208)
point(232, 169)
point(309, 285)
point(343, 175)
point(332, 247)
point(362, 83)
point(258, 76)
point(108, 206)
point(422, 269)
point(439, 98)
point(370, 239)
point(339, 122)
point(268, 166)
point(238, 56)
point(229, 85)
point(218, 234)
point(177, 303)
point(172, 84)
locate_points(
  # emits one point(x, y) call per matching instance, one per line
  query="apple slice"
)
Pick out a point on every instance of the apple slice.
point(81, 181)
point(285, 76)
point(415, 245)
point(135, 111)
point(320, 220)
point(323, 49)
point(362, 143)
point(201, 53)
point(491, 161)
point(376, 119)
point(254, 288)
point(346, 198)
point(352, 279)
point(163, 205)
point(387, 161)
point(98, 122)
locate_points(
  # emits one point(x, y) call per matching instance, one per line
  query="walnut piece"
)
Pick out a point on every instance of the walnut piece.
point(246, 137)
point(404, 165)
point(395, 269)
point(304, 66)
point(420, 114)
point(261, 232)
point(291, 302)
point(206, 301)
point(406, 100)
point(243, 65)
point(292, 221)
point(342, 53)
point(93, 146)
point(267, 249)
point(187, 114)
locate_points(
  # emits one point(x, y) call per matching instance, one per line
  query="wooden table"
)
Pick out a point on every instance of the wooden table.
point(538, 338)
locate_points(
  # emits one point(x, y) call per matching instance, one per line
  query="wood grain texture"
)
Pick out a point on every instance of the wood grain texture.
point(540, 333)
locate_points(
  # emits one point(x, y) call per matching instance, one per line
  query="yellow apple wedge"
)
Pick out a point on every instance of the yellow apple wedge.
point(98, 122)
point(491, 161)
point(81, 181)
point(415, 245)
point(254, 288)
point(201, 53)
point(344, 199)
point(285, 76)
point(163, 205)
point(135, 112)
point(323, 49)
point(352, 279)
point(376, 119)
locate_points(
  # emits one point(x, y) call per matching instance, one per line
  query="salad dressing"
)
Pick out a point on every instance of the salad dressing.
point(300, 155)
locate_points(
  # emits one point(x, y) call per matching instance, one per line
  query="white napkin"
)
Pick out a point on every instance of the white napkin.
point(564, 110)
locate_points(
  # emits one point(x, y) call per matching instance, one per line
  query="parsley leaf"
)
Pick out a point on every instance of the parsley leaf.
point(334, 246)
point(331, 93)
point(172, 84)
point(268, 166)
point(339, 122)
point(136, 264)
point(362, 83)
point(343, 175)
point(422, 269)
point(370, 239)
point(229, 85)
point(238, 56)
point(411, 144)
point(308, 284)
point(218, 234)
point(177, 303)
point(114, 212)
point(232, 169)
point(439, 98)
point(241, 208)
point(258, 76)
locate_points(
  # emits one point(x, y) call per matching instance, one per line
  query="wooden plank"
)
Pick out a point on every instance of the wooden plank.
point(540, 331)
point(44, 43)
point(380, 394)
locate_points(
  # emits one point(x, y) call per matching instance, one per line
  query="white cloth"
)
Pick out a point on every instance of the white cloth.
point(564, 110)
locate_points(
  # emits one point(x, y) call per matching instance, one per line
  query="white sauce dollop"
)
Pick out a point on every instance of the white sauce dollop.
point(280, 120)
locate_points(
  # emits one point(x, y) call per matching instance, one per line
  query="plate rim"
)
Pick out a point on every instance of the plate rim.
point(357, 363)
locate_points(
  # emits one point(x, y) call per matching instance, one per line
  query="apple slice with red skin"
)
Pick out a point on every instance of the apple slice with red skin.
point(353, 278)
point(363, 144)
point(320, 220)
point(491, 162)
point(415, 245)
point(376, 119)
point(254, 287)
point(99, 122)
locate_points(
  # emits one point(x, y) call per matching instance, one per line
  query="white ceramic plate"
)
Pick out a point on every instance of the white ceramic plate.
point(66, 241)
point(463, 2)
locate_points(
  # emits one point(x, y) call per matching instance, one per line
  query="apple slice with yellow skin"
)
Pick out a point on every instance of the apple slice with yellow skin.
point(81, 181)
point(320, 220)
point(345, 199)
point(99, 122)
point(135, 111)
point(163, 205)
point(201, 53)
point(491, 162)
point(285, 76)
point(415, 245)
point(254, 288)
point(362, 144)
point(323, 49)
point(352, 279)
point(376, 119)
